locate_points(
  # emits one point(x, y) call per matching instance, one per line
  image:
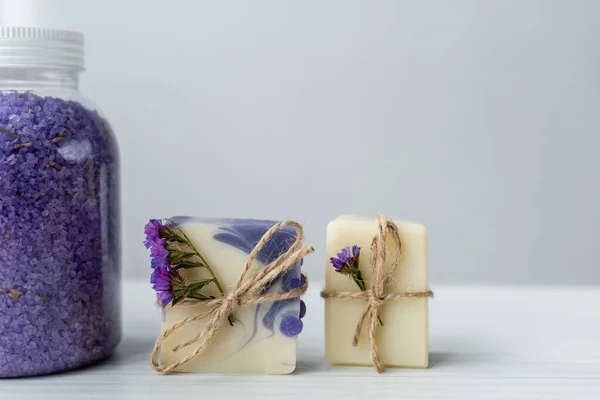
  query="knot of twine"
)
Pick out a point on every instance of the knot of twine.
point(246, 291)
point(375, 291)
point(234, 301)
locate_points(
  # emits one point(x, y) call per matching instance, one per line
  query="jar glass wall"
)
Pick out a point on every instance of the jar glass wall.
point(59, 224)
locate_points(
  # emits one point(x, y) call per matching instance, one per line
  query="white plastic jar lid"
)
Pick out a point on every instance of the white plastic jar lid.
point(25, 47)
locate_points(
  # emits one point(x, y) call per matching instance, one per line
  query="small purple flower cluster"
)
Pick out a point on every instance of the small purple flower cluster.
point(156, 244)
point(346, 261)
point(162, 280)
point(163, 274)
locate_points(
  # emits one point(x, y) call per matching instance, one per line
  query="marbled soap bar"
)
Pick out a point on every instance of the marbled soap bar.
point(263, 338)
point(403, 339)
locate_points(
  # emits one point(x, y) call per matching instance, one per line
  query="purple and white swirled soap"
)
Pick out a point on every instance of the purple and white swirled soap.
point(201, 258)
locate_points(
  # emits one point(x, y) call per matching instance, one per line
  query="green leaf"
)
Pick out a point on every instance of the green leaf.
point(198, 296)
point(178, 257)
point(188, 265)
point(175, 233)
point(174, 237)
point(177, 300)
point(195, 287)
point(171, 235)
point(358, 279)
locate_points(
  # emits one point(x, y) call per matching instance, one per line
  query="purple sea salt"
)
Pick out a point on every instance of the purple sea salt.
point(59, 236)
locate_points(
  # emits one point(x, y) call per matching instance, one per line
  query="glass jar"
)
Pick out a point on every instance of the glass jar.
point(59, 210)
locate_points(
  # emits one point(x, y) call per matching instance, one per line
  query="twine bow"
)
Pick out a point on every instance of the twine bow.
point(247, 291)
point(375, 292)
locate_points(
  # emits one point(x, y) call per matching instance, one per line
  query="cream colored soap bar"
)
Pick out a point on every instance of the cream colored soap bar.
point(403, 339)
point(263, 339)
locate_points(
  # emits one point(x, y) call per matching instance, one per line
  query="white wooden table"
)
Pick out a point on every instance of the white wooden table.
point(485, 343)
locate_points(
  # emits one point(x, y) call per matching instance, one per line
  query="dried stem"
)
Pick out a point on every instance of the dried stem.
point(53, 164)
point(9, 133)
point(205, 264)
point(57, 139)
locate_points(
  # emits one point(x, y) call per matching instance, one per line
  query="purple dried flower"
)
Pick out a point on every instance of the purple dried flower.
point(160, 257)
point(170, 249)
point(337, 264)
point(155, 242)
point(157, 245)
point(159, 263)
point(152, 231)
point(345, 256)
point(346, 261)
point(159, 251)
point(355, 251)
point(169, 285)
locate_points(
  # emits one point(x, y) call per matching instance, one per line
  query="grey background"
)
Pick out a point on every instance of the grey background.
point(478, 118)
